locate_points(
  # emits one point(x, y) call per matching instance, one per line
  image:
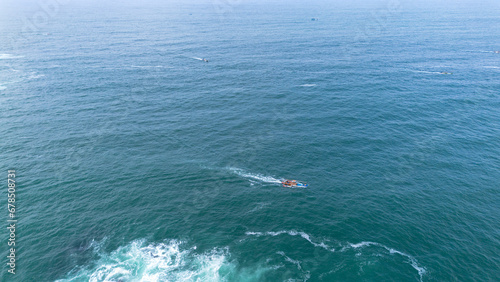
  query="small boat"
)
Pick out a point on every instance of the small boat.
point(293, 183)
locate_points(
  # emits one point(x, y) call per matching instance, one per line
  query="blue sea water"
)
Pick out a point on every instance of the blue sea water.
point(138, 161)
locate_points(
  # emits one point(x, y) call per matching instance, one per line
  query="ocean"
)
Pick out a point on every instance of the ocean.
point(149, 140)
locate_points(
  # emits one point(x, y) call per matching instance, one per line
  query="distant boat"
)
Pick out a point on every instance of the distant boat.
point(293, 183)
point(314, 19)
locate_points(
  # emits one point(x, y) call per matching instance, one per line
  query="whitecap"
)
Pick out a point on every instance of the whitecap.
point(168, 261)
point(9, 56)
point(307, 85)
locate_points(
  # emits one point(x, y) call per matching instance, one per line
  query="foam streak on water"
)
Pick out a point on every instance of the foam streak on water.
point(414, 263)
point(139, 261)
point(292, 233)
point(9, 56)
point(254, 176)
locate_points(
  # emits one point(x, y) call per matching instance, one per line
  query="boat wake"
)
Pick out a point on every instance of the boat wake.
point(9, 56)
point(255, 177)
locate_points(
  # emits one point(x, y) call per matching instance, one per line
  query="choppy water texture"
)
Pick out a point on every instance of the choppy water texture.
point(139, 161)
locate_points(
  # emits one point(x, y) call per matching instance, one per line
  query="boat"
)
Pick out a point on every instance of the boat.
point(293, 183)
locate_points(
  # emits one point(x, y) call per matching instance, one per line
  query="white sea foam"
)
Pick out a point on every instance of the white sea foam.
point(481, 51)
point(413, 262)
point(362, 244)
point(20, 78)
point(151, 67)
point(293, 233)
point(296, 262)
point(9, 56)
point(259, 177)
point(430, 72)
point(306, 274)
point(258, 207)
point(155, 262)
point(35, 76)
point(308, 85)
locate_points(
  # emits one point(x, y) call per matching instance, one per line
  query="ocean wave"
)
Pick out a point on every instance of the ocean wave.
point(296, 262)
point(258, 207)
point(413, 262)
point(293, 233)
point(258, 177)
point(306, 274)
point(20, 77)
point(307, 85)
point(35, 76)
point(151, 67)
point(169, 261)
point(429, 72)
point(485, 51)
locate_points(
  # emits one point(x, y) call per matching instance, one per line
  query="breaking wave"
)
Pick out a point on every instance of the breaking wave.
point(169, 261)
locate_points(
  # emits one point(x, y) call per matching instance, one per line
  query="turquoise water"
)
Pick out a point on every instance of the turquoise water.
point(138, 161)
